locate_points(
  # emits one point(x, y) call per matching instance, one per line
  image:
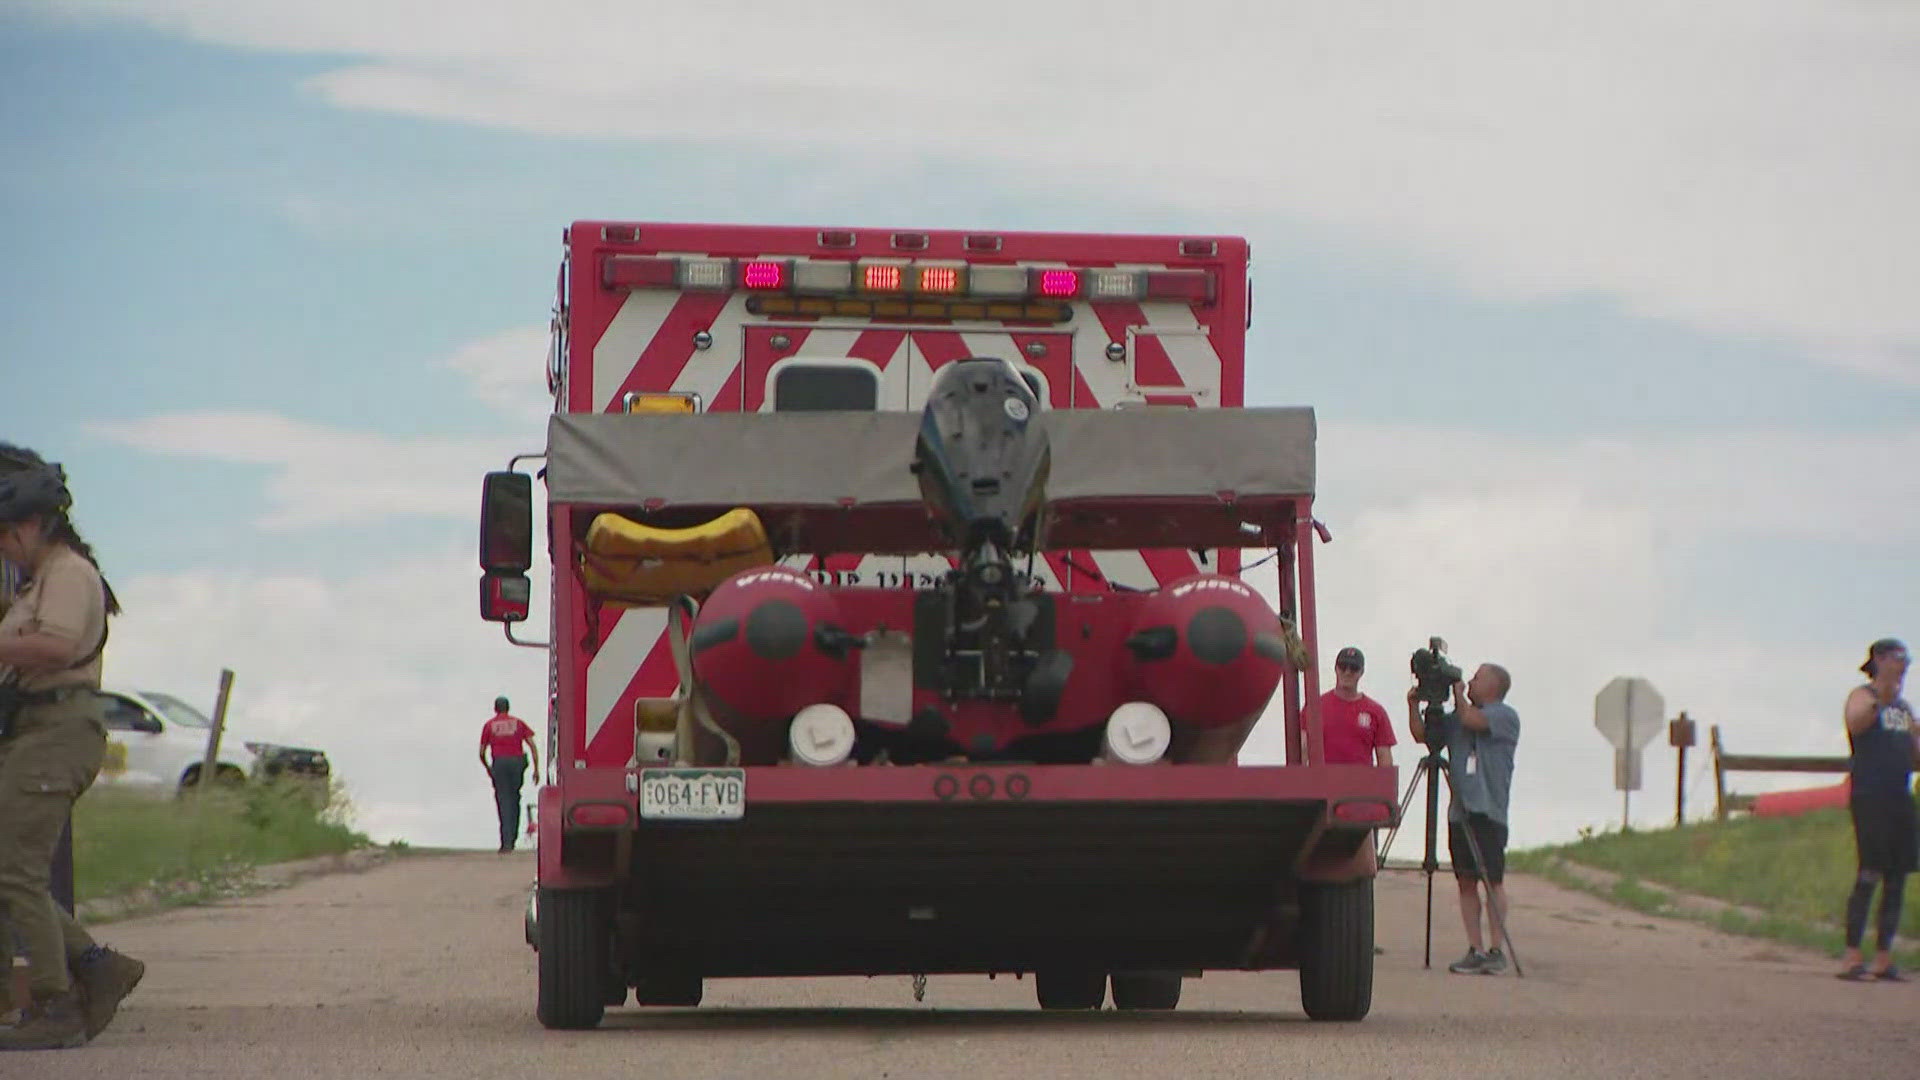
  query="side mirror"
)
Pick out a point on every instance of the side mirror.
point(147, 723)
point(506, 523)
point(504, 597)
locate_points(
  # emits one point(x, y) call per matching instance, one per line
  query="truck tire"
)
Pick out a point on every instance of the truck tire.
point(1148, 991)
point(573, 927)
point(1336, 950)
point(1070, 989)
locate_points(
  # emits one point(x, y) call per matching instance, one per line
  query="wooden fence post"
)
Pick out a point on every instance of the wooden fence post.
point(1719, 779)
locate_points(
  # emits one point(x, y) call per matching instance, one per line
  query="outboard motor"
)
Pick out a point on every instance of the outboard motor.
point(982, 459)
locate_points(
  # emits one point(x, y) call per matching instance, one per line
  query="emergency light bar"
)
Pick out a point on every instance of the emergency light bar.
point(868, 283)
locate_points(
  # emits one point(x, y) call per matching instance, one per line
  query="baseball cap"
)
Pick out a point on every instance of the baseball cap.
point(1350, 657)
point(1886, 646)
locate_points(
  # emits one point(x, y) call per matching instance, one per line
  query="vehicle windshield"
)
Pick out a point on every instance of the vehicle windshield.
point(177, 711)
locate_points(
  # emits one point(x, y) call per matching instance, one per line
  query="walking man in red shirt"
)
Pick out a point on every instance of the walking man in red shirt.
point(510, 741)
point(1356, 728)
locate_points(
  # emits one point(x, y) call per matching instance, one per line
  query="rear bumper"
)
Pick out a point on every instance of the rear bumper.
point(976, 869)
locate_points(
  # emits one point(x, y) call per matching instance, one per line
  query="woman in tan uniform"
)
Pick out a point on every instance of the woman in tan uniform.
point(52, 739)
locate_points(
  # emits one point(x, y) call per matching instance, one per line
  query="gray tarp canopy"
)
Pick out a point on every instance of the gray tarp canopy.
point(830, 458)
point(1126, 475)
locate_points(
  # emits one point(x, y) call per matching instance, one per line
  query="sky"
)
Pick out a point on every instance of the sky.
point(1607, 314)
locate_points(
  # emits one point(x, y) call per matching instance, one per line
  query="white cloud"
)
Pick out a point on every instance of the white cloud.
point(322, 475)
point(506, 372)
point(1737, 166)
point(325, 475)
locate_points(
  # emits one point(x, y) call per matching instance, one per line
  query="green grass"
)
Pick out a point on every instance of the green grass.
point(185, 850)
point(1793, 872)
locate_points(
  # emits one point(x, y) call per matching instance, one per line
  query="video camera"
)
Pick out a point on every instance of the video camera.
point(1434, 674)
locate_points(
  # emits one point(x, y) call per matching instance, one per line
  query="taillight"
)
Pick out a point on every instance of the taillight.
point(763, 274)
point(598, 815)
point(639, 272)
point(1363, 812)
point(1195, 285)
point(938, 279)
point(880, 277)
point(1059, 283)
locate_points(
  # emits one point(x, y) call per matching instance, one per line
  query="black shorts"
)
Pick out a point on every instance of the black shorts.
point(1884, 836)
point(1492, 838)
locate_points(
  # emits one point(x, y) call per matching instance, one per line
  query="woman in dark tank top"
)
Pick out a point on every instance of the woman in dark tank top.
point(1880, 732)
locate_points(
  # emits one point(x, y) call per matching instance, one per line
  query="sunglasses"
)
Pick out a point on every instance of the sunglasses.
point(1347, 667)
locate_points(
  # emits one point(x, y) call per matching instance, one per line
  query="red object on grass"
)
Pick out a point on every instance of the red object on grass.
point(1801, 800)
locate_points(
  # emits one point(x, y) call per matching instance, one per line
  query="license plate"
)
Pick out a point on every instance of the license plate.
point(693, 794)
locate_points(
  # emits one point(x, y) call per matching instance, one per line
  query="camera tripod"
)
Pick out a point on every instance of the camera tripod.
point(1435, 764)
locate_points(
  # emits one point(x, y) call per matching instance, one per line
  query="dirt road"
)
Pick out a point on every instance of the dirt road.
point(417, 969)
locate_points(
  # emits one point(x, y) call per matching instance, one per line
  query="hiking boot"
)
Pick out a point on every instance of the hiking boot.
point(56, 1023)
point(1470, 964)
point(1495, 962)
point(106, 977)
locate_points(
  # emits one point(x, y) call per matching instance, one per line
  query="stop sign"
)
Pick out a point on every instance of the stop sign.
point(1629, 712)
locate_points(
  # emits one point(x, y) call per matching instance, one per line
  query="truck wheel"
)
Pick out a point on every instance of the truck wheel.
point(1154, 991)
point(573, 930)
point(1070, 989)
point(1336, 950)
point(683, 991)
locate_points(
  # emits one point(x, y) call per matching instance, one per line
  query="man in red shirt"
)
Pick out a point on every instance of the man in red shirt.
point(511, 742)
point(1356, 727)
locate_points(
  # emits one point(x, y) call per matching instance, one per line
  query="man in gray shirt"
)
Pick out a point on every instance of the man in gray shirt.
point(1480, 736)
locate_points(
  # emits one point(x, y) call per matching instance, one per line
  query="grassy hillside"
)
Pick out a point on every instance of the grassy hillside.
point(1794, 874)
point(187, 849)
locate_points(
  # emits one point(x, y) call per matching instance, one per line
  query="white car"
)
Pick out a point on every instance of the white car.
point(156, 741)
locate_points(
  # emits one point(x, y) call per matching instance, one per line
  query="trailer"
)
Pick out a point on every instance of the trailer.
point(898, 626)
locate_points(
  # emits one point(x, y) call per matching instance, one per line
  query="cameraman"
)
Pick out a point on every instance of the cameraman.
point(1480, 736)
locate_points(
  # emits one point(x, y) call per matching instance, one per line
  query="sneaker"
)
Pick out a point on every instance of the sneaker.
point(105, 978)
point(54, 1024)
point(1495, 962)
point(1470, 964)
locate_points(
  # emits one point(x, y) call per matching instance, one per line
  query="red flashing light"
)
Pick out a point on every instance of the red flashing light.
point(881, 279)
point(763, 275)
point(981, 242)
point(637, 272)
point(836, 238)
point(1059, 282)
point(1199, 249)
point(620, 234)
point(939, 279)
point(909, 241)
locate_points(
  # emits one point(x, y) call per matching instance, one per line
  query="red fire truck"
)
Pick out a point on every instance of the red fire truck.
point(898, 624)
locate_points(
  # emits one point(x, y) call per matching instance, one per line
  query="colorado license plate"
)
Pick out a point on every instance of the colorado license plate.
point(693, 794)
